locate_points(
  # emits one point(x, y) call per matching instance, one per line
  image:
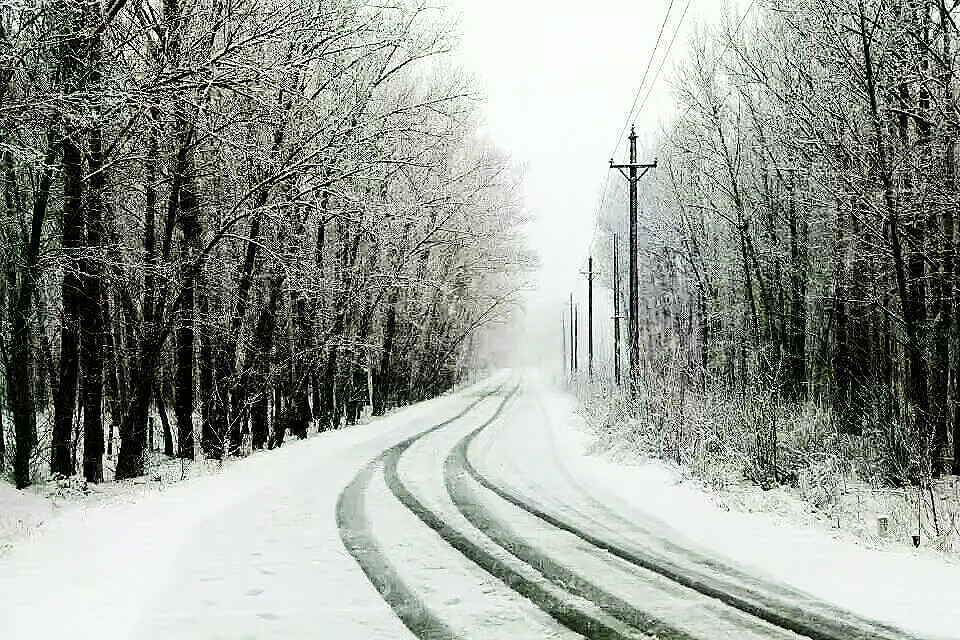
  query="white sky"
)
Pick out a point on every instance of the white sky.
point(560, 79)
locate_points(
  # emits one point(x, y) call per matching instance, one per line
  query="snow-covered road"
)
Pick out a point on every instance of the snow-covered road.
point(469, 516)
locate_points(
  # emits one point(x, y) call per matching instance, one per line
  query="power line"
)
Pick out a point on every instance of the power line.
point(636, 98)
point(606, 183)
point(643, 79)
point(646, 71)
point(664, 59)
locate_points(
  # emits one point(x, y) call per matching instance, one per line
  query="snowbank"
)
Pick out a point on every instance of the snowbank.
point(21, 512)
point(914, 589)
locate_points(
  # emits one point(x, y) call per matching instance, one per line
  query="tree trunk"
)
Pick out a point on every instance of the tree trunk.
point(840, 353)
point(164, 423)
point(188, 218)
point(229, 366)
point(384, 384)
point(213, 432)
point(315, 400)
point(940, 342)
point(798, 297)
point(907, 269)
point(133, 435)
point(276, 439)
point(113, 389)
point(65, 400)
point(92, 321)
point(259, 427)
point(72, 243)
point(133, 429)
point(20, 397)
point(3, 440)
point(955, 394)
point(183, 407)
point(301, 414)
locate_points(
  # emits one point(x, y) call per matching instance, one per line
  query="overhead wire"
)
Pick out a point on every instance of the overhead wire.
point(603, 194)
point(663, 60)
point(643, 79)
point(633, 106)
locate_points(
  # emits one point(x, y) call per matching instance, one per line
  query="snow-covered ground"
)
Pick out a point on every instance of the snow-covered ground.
point(252, 552)
point(915, 590)
point(255, 551)
point(21, 513)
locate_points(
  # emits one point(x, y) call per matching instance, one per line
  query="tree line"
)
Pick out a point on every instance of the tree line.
point(258, 215)
point(800, 238)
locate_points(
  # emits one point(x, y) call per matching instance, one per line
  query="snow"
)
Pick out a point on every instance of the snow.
point(661, 600)
point(472, 602)
point(21, 512)
point(504, 613)
point(254, 550)
point(912, 589)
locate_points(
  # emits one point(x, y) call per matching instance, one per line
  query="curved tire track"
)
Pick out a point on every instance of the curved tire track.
point(572, 600)
point(407, 604)
point(456, 464)
point(359, 541)
point(794, 610)
point(556, 602)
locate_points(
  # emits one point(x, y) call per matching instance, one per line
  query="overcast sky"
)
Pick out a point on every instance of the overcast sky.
point(560, 78)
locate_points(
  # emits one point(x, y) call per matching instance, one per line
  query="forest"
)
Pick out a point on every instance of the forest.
point(226, 221)
point(799, 274)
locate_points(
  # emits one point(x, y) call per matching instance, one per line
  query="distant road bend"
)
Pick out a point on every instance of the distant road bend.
point(474, 529)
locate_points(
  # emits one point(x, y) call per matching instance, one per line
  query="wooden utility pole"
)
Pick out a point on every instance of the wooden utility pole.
point(590, 317)
point(576, 339)
point(573, 339)
point(633, 329)
point(563, 339)
point(589, 274)
point(616, 309)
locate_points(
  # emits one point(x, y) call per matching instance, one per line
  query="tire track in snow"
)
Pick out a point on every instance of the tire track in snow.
point(357, 537)
point(360, 543)
point(572, 611)
point(456, 466)
point(793, 610)
point(560, 592)
point(563, 594)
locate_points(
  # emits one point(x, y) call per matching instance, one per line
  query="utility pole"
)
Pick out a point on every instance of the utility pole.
point(576, 338)
point(590, 317)
point(573, 340)
point(616, 309)
point(633, 329)
point(589, 274)
point(563, 339)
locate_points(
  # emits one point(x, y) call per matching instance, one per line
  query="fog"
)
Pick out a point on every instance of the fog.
point(560, 79)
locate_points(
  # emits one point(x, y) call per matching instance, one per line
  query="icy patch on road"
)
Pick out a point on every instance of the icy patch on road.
point(912, 589)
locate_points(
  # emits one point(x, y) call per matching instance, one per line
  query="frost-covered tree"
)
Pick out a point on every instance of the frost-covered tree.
point(263, 215)
point(802, 233)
